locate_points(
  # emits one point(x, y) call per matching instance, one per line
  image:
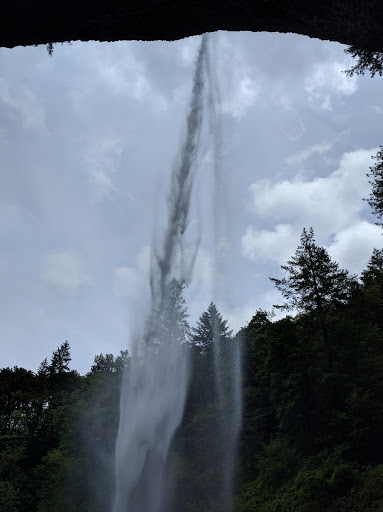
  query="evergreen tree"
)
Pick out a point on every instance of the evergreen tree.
point(60, 359)
point(109, 363)
point(368, 60)
point(374, 271)
point(376, 175)
point(43, 369)
point(171, 326)
point(314, 284)
point(314, 281)
point(372, 289)
point(211, 327)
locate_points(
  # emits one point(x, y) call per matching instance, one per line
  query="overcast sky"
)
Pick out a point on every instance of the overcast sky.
point(87, 141)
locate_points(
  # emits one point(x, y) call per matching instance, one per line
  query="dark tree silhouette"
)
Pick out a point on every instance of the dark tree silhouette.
point(368, 61)
point(376, 174)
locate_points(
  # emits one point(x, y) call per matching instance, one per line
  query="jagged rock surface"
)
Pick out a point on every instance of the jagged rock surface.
point(32, 22)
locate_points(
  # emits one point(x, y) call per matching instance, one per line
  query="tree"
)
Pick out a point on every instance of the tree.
point(9, 499)
point(374, 271)
point(43, 369)
point(57, 482)
point(209, 413)
point(376, 197)
point(368, 60)
point(314, 281)
point(211, 327)
point(314, 284)
point(372, 289)
point(169, 326)
point(60, 359)
point(109, 363)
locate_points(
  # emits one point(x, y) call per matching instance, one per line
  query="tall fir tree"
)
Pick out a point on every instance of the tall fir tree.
point(314, 284)
point(374, 271)
point(60, 359)
point(367, 61)
point(211, 327)
point(171, 325)
point(314, 281)
point(376, 180)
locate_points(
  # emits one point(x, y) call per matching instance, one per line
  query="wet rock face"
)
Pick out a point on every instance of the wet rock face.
point(28, 22)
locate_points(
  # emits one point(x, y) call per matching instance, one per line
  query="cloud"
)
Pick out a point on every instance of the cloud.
point(65, 271)
point(126, 282)
point(263, 245)
point(328, 203)
point(378, 109)
point(298, 133)
point(243, 96)
point(23, 100)
point(332, 205)
point(132, 281)
point(187, 50)
point(123, 72)
point(353, 246)
point(241, 87)
point(316, 149)
point(102, 161)
point(326, 83)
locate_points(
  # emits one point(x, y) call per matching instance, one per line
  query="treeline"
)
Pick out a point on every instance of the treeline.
point(57, 434)
point(312, 389)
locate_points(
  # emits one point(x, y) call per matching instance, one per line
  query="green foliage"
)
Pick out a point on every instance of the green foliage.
point(171, 326)
point(57, 436)
point(109, 363)
point(312, 406)
point(287, 482)
point(60, 360)
point(366, 494)
point(314, 281)
point(197, 457)
point(368, 61)
point(57, 483)
point(211, 328)
point(376, 174)
point(9, 497)
point(324, 450)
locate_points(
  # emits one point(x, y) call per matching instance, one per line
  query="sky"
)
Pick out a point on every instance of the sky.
point(88, 138)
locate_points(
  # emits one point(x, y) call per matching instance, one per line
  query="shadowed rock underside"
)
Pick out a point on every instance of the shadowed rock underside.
point(27, 22)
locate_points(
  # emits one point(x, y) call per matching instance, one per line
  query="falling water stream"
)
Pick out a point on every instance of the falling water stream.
point(154, 388)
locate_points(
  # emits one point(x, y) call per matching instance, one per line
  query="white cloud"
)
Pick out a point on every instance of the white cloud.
point(102, 161)
point(275, 245)
point(378, 109)
point(298, 133)
point(332, 205)
point(126, 282)
point(132, 281)
point(243, 96)
point(326, 83)
point(187, 50)
point(65, 270)
point(124, 73)
point(23, 100)
point(316, 149)
point(285, 103)
point(328, 204)
point(353, 246)
point(241, 87)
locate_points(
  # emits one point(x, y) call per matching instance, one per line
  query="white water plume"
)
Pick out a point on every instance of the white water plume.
point(154, 387)
point(227, 354)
